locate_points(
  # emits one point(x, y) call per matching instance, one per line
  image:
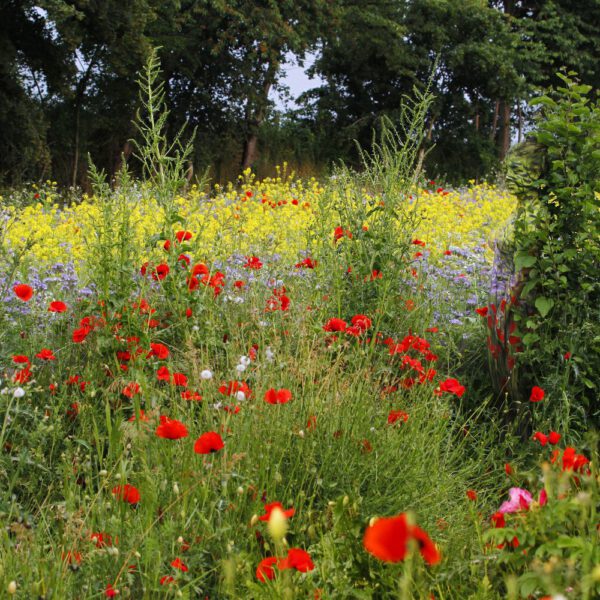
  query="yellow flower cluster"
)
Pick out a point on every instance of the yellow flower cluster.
point(262, 217)
point(466, 218)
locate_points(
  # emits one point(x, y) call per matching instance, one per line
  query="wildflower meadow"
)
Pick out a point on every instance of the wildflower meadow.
point(352, 387)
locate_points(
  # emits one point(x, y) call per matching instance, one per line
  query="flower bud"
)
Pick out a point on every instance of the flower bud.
point(277, 524)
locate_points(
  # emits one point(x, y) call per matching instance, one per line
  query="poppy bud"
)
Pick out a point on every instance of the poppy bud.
point(253, 520)
point(277, 524)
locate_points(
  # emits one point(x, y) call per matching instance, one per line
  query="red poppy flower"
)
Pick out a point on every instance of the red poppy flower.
point(265, 568)
point(273, 505)
point(163, 374)
point(21, 359)
point(312, 422)
point(431, 555)
point(417, 242)
point(508, 469)
point(101, 539)
point(297, 559)
point(397, 415)
point(160, 272)
point(143, 417)
point(278, 301)
point(180, 379)
point(537, 394)
point(253, 262)
point(22, 376)
point(472, 495)
point(452, 386)
point(540, 437)
point(387, 539)
point(281, 396)
point(340, 232)
point(335, 324)
point(80, 334)
point(201, 269)
point(23, 292)
point(179, 564)
point(189, 395)
point(127, 493)
point(183, 236)
point(482, 311)
point(71, 557)
point(571, 461)
point(233, 387)
point(131, 389)
point(498, 520)
point(171, 429)
point(307, 263)
point(57, 307)
point(110, 591)
point(208, 442)
point(554, 437)
point(45, 354)
point(159, 350)
point(362, 322)
point(166, 579)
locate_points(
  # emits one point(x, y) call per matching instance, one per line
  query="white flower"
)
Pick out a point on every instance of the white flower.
point(240, 368)
point(19, 393)
point(244, 360)
point(206, 374)
point(269, 354)
point(240, 396)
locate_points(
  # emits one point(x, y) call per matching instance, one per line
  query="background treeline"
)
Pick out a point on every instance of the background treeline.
point(68, 72)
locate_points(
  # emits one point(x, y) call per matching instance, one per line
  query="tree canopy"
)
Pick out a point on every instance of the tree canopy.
point(68, 70)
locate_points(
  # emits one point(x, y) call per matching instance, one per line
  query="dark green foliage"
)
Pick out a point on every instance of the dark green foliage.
point(68, 71)
point(557, 254)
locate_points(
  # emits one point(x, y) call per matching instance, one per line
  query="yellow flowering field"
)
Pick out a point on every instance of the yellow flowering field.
point(273, 216)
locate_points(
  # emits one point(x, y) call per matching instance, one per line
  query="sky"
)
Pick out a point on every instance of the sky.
point(295, 77)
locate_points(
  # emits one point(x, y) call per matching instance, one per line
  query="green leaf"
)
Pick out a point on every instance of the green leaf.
point(524, 261)
point(544, 305)
point(530, 338)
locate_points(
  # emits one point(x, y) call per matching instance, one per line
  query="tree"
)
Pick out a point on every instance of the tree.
point(31, 71)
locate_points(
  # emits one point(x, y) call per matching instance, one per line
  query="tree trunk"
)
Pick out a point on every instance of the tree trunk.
point(255, 118)
point(504, 140)
point(495, 121)
point(79, 97)
point(76, 156)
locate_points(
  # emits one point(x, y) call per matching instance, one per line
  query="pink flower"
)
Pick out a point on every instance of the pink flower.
point(520, 499)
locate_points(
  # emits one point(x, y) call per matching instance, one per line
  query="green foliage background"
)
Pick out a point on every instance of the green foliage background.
point(68, 70)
